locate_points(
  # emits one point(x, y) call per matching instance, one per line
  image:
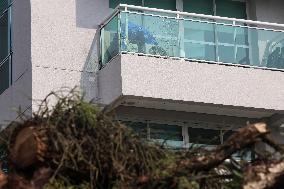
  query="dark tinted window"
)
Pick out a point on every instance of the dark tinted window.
point(232, 9)
point(166, 132)
point(138, 127)
point(161, 4)
point(204, 136)
point(198, 6)
point(4, 46)
point(225, 8)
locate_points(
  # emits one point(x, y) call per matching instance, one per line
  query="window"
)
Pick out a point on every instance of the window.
point(229, 8)
point(177, 136)
point(138, 127)
point(161, 4)
point(213, 42)
point(204, 136)
point(5, 52)
point(225, 8)
point(171, 135)
point(198, 6)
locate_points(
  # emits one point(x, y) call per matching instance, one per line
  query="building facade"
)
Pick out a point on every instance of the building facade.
point(189, 71)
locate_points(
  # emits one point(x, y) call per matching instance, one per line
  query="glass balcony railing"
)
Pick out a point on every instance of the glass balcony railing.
point(193, 37)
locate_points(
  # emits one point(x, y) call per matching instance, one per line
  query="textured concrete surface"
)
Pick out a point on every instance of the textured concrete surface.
point(65, 45)
point(56, 39)
point(197, 107)
point(110, 82)
point(55, 79)
point(55, 45)
point(21, 38)
point(16, 97)
point(186, 81)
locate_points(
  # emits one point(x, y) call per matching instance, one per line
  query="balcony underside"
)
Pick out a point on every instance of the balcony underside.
point(149, 82)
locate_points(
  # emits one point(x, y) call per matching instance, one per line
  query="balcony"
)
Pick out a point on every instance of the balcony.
point(203, 38)
point(181, 61)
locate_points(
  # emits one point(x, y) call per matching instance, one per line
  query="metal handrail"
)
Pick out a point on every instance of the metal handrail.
point(180, 13)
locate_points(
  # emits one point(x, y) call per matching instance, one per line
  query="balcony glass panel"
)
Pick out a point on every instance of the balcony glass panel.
point(149, 34)
point(204, 40)
point(109, 40)
point(199, 40)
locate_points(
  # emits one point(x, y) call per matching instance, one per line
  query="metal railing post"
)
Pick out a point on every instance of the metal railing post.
point(181, 36)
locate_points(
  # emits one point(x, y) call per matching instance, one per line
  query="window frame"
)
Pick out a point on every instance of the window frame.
point(8, 58)
point(185, 130)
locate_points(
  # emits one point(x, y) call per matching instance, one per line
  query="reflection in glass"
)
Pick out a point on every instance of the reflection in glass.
point(149, 34)
point(109, 41)
point(213, 41)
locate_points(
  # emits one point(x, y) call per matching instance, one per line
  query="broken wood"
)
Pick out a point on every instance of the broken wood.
point(267, 175)
point(27, 147)
point(74, 144)
point(244, 137)
point(3, 179)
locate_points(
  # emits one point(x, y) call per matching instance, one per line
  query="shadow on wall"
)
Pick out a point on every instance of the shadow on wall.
point(19, 94)
point(89, 15)
point(89, 77)
point(22, 65)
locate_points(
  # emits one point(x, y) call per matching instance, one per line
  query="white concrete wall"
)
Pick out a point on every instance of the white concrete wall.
point(201, 82)
point(64, 44)
point(55, 45)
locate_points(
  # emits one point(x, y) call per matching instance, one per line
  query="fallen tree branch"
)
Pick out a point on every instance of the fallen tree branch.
point(245, 137)
point(265, 176)
point(268, 140)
